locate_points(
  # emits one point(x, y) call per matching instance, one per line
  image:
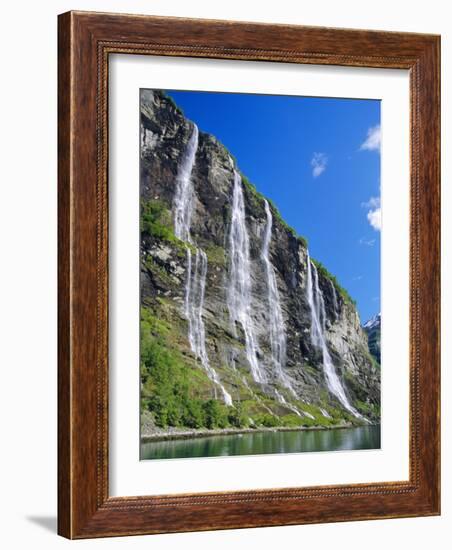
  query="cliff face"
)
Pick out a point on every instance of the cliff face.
point(229, 293)
point(373, 330)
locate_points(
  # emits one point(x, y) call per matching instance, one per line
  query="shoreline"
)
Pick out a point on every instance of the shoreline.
point(196, 434)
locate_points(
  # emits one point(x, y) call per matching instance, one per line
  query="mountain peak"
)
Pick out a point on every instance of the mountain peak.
point(373, 322)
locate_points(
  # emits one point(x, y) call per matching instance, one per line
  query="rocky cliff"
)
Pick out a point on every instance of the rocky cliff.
point(373, 330)
point(239, 326)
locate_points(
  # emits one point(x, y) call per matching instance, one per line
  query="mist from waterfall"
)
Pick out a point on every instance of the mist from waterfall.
point(195, 284)
point(318, 320)
point(239, 287)
point(276, 328)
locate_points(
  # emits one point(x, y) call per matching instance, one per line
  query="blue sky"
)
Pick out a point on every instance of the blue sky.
point(318, 159)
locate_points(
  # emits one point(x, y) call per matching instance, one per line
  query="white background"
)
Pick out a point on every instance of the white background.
point(28, 273)
point(128, 476)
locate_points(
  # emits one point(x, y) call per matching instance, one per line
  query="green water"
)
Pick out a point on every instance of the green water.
point(366, 437)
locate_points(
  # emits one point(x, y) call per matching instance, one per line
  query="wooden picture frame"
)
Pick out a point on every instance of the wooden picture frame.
point(85, 508)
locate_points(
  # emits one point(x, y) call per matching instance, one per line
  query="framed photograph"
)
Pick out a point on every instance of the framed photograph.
point(248, 275)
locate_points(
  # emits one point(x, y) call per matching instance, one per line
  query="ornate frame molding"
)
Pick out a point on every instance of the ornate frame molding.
point(85, 42)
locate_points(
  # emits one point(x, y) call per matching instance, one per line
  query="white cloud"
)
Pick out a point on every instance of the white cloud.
point(373, 202)
point(318, 163)
point(374, 217)
point(373, 139)
point(367, 242)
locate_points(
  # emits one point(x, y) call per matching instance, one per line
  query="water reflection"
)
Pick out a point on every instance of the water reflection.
point(365, 437)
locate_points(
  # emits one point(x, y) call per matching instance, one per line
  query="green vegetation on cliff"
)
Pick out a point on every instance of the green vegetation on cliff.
point(342, 291)
point(173, 390)
point(156, 220)
point(171, 101)
point(259, 198)
point(178, 393)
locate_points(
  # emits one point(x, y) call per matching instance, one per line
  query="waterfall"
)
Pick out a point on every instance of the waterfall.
point(335, 303)
point(318, 319)
point(276, 328)
point(239, 287)
point(194, 311)
point(284, 402)
point(183, 197)
point(255, 396)
point(187, 296)
point(195, 284)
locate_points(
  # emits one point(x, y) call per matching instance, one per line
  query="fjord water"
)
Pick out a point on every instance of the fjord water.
point(268, 442)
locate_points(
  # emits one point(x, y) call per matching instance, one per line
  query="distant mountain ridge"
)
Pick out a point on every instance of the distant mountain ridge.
point(373, 330)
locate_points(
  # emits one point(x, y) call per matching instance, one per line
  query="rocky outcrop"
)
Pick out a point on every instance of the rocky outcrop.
point(299, 390)
point(373, 330)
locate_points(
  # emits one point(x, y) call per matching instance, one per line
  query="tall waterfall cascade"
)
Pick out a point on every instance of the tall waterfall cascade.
point(318, 319)
point(239, 286)
point(195, 283)
point(276, 328)
point(183, 198)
